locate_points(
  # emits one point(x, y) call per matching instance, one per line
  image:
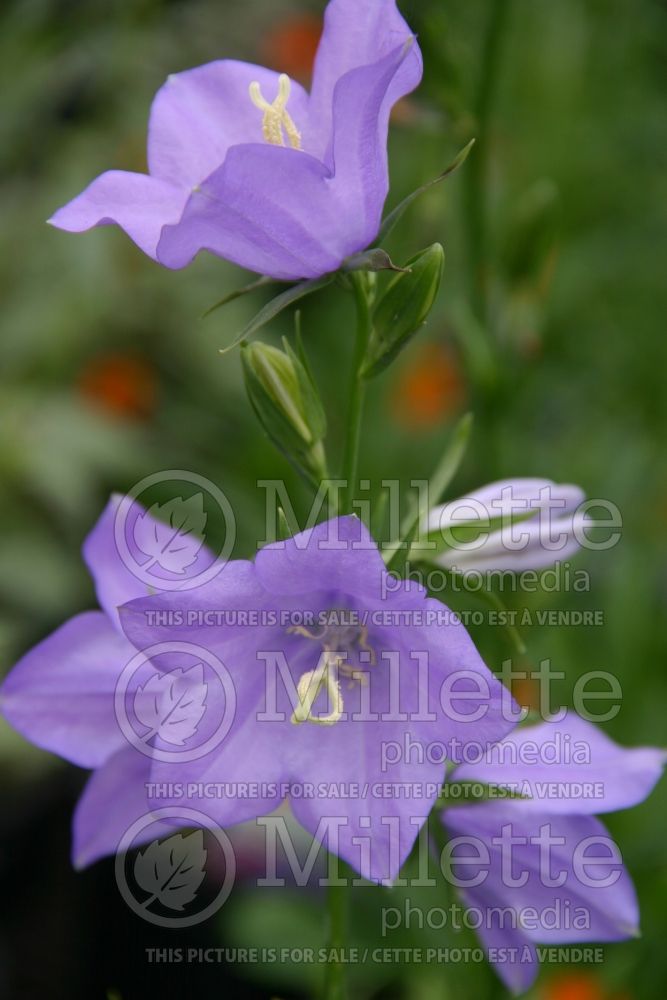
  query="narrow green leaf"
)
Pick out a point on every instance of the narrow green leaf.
point(452, 458)
point(401, 552)
point(398, 554)
point(512, 632)
point(277, 305)
point(379, 513)
point(285, 530)
point(239, 293)
point(393, 218)
point(470, 793)
point(300, 349)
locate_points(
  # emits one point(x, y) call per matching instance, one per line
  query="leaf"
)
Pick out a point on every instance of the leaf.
point(277, 305)
point(172, 870)
point(398, 554)
point(393, 218)
point(455, 794)
point(285, 530)
point(239, 293)
point(172, 705)
point(401, 553)
point(372, 260)
point(171, 533)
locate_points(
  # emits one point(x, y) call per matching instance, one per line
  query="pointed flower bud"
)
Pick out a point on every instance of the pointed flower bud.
point(515, 524)
point(404, 308)
point(284, 397)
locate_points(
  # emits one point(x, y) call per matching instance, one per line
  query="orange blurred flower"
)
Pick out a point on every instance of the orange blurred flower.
point(291, 45)
point(526, 691)
point(119, 384)
point(577, 986)
point(429, 390)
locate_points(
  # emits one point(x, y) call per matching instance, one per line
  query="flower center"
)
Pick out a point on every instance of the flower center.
point(277, 118)
point(339, 642)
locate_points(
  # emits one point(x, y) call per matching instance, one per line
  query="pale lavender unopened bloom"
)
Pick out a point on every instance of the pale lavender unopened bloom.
point(531, 875)
point(327, 673)
point(514, 524)
point(247, 165)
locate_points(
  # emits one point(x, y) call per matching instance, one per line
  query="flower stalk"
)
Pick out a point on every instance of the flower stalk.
point(357, 390)
point(335, 981)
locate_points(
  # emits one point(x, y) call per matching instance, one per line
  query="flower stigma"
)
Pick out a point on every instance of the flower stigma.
point(337, 644)
point(276, 116)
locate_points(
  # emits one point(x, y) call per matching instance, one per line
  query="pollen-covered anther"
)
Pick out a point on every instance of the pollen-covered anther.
point(277, 118)
point(309, 686)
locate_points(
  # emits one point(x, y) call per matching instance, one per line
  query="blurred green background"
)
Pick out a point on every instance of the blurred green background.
point(550, 326)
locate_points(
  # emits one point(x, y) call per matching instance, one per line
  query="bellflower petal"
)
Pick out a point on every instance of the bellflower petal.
point(114, 798)
point(115, 584)
point(609, 908)
point(257, 210)
point(356, 35)
point(236, 588)
point(515, 956)
point(61, 694)
point(199, 115)
point(115, 575)
point(538, 761)
point(337, 555)
point(362, 104)
point(139, 204)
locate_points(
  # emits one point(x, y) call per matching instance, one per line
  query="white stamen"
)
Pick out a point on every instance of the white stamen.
point(276, 116)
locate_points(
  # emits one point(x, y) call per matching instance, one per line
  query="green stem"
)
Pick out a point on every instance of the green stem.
point(476, 172)
point(488, 403)
point(357, 394)
point(335, 984)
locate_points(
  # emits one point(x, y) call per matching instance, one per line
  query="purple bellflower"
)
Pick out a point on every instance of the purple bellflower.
point(542, 869)
point(520, 524)
point(318, 703)
point(60, 696)
point(326, 672)
point(247, 165)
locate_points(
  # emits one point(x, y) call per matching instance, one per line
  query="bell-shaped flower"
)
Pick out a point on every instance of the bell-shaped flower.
point(514, 525)
point(335, 694)
point(329, 671)
point(245, 164)
point(540, 868)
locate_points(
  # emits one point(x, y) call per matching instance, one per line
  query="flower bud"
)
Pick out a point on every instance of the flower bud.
point(404, 308)
point(515, 525)
point(287, 403)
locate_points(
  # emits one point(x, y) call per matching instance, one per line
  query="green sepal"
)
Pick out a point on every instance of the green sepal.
point(403, 309)
point(371, 260)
